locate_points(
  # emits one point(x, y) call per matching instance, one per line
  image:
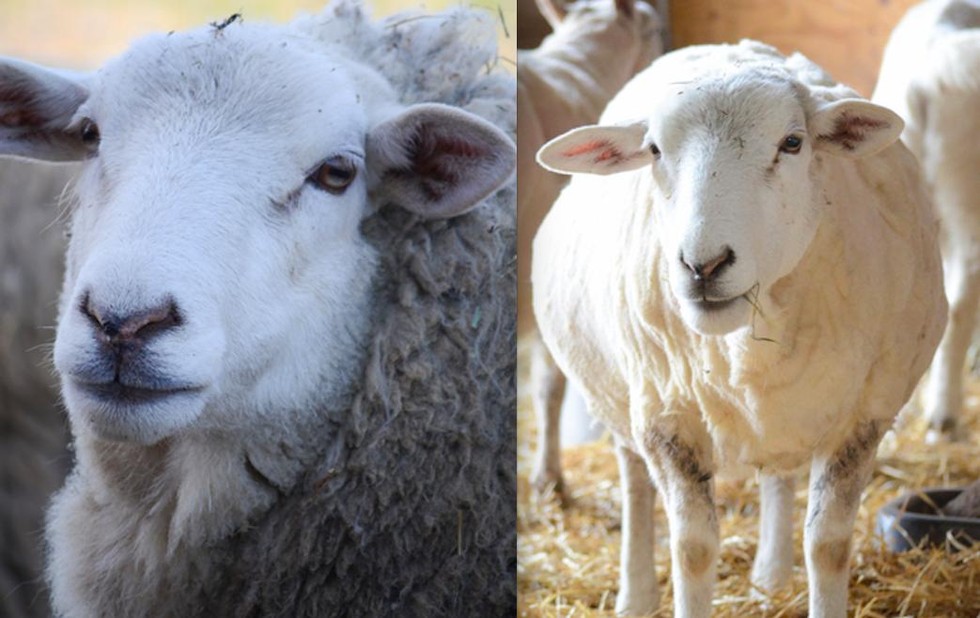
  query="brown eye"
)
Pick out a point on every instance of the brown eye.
point(791, 144)
point(89, 132)
point(654, 151)
point(334, 175)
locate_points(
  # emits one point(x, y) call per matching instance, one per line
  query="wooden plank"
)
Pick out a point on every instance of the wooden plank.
point(845, 37)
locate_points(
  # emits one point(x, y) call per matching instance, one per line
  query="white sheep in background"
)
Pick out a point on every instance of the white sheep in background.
point(33, 438)
point(596, 47)
point(287, 358)
point(930, 75)
point(748, 274)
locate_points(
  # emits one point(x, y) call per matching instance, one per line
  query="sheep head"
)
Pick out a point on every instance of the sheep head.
point(733, 153)
point(216, 274)
point(620, 36)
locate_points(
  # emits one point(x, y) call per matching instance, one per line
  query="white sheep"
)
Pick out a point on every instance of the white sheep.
point(596, 47)
point(33, 438)
point(930, 75)
point(747, 274)
point(286, 353)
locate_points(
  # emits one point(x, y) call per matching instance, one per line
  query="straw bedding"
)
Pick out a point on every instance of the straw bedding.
point(568, 557)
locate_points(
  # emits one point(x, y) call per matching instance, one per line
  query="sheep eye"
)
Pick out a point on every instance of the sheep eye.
point(654, 151)
point(334, 175)
point(89, 132)
point(791, 144)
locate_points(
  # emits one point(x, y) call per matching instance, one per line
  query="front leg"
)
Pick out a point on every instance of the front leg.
point(677, 450)
point(639, 591)
point(836, 483)
point(773, 564)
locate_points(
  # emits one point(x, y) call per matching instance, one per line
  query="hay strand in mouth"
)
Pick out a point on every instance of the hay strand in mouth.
point(752, 297)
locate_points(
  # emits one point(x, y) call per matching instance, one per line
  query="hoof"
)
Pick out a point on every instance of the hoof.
point(945, 431)
point(546, 483)
point(637, 607)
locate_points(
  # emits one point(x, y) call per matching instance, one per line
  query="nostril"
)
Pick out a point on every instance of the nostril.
point(150, 322)
point(720, 263)
point(139, 325)
point(695, 269)
point(95, 315)
point(706, 271)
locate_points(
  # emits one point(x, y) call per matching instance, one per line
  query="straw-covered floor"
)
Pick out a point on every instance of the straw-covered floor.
point(568, 556)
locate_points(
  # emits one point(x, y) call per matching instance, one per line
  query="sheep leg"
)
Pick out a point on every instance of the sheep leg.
point(773, 563)
point(836, 483)
point(639, 592)
point(548, 388)
point(679, 459)
point(944, 393)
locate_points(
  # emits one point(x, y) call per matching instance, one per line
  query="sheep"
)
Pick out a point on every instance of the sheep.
point(743, 272)
point(596, 46)
point(286, 335)
point(930, 75)
point(33, 438)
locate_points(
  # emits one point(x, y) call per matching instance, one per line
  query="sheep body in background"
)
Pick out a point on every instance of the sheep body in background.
point(746, 273)
point(930, 75)
point(596, 46)
point(33, 437)
point(286, 353)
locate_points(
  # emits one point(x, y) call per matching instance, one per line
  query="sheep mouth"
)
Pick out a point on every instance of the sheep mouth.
point(712, 305)
point(118, 393)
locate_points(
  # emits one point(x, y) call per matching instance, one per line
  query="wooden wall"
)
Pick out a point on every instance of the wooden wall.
point(846, 37)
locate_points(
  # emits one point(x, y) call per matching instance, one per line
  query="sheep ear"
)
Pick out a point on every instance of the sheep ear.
point(597, 150)
point(553, 12)
point(438, 161)
point(36, 107)
point(855, 128)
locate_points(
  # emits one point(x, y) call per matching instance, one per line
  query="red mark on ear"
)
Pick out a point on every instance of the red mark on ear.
point(850, 130)
point(586, 147)
point(601, 151)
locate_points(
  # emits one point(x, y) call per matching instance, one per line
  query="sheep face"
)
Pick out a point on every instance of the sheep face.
point(216, 275)
point(732, 161)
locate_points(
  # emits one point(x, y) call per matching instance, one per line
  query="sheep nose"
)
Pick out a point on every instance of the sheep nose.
point(124, 332)
point(706, 271)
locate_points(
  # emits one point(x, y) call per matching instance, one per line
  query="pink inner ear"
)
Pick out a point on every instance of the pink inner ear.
point(458, 147)
point(608, 151)
point(849, 130)
point(575, 151)
point(12, 94)
point(435, 156)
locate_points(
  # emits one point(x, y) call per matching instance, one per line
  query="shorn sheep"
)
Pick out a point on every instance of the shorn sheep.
point(746, 274)
point(930, 75)
point(33, 438)
point(596, 47)
point(286, 335)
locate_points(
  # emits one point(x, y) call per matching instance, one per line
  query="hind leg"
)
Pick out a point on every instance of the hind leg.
point(944, 391)
point(547, 389)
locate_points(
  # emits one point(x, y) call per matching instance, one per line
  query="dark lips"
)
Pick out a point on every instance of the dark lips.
point(114, 392)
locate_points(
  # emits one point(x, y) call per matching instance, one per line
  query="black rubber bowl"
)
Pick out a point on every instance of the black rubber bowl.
point(912, 519)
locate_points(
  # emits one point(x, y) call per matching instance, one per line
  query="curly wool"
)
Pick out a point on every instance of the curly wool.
point(414, 515)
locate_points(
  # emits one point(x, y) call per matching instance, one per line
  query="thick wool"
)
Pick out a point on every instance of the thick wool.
point(407, 505)
point(33, 437)
point(930, 75)
point(833, 303)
